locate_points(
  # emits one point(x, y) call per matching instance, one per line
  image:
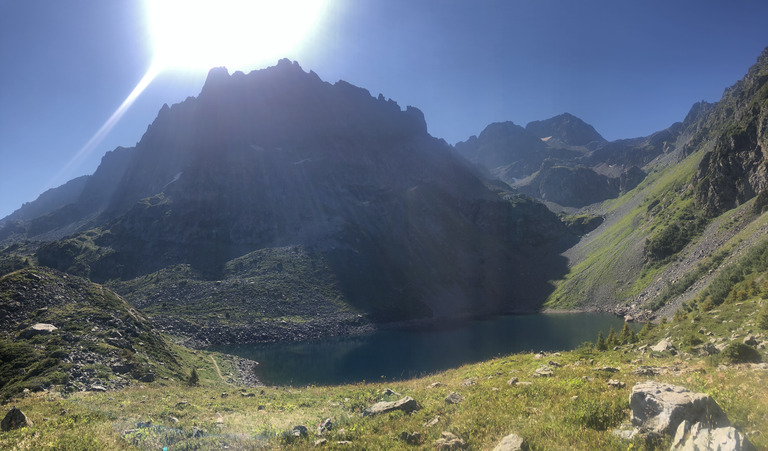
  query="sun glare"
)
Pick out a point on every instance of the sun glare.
point(238, 34)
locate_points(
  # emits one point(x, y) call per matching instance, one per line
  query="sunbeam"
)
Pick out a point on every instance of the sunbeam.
point(110, 123)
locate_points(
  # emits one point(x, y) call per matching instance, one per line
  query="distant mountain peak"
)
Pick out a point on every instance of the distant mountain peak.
point(566, 128)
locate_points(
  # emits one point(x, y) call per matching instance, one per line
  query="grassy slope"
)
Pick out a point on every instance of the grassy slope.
point(608, 264)
point(574, 409)
point(98, 332)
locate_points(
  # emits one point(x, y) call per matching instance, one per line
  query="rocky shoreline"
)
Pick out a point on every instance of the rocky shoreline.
point(263, 332)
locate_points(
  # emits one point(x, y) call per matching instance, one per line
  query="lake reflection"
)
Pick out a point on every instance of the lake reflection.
point(401, 354)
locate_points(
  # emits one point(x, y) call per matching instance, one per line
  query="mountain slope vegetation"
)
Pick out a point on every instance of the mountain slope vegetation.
point(701, 206)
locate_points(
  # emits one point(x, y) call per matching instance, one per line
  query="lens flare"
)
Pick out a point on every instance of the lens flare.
point(102, 132)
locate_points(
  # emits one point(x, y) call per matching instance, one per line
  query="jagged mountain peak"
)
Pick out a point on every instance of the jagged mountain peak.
point(565, 128)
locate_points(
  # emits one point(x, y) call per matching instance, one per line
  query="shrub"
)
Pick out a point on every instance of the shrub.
point(737, 352)
point(762, 318)
point(193, 378)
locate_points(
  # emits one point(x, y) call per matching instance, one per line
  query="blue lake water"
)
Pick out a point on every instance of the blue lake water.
point(402, 354)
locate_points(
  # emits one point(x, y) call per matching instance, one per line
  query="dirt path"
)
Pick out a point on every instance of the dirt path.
point(218, 370)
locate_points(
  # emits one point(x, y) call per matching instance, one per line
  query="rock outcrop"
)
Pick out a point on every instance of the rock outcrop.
point(406, 404)
point(15, 419)
point(700, 437)
point(694, 420)
point(659, 408)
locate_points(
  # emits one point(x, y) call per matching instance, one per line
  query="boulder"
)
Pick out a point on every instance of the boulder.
point(14, 419)
point(406, 404)
point(449, 441)
point(149, 377)
point(453, 398)
point(659, 408)
point(543, 371)
point(299, 431)
point(664, 345)
point(698, 436)
point(512, 442)
point(38, 329)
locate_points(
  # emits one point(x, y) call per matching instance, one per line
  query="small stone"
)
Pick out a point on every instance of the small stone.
point(98, 388)
point(512, 381)
point(343, 442)
point(469, 382)
point(626, 434)
point(15, 419)
point(411, 438)
point(299, 431)
point(435, 385)
point(432, 422)
point(543, 371)
point(453, 398)
point(224, 395)
point(320, 442)
point(608, 369)
point(450, 441)
point(512, 442)
point(552, 363)
point(616, 384)
point(324, 426)
point(173, 419)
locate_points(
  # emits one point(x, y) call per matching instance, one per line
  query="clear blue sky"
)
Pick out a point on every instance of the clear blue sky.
point(629, 68)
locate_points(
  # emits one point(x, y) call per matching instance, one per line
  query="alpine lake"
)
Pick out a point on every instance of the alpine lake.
point(395, 354)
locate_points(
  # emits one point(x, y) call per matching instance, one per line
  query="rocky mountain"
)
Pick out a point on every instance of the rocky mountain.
point(675, 238)
point(567, 129)
point(278, 167)
point(561, 160)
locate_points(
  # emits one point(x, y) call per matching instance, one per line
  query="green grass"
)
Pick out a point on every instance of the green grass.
point(574, 409)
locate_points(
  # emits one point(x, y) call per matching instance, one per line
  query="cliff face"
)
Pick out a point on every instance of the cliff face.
point(735, 170)
point(280, 159)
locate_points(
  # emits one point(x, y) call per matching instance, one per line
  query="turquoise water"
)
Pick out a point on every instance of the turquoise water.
point(402, 354)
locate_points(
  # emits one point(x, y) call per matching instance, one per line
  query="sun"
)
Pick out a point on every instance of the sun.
point(238, 34)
